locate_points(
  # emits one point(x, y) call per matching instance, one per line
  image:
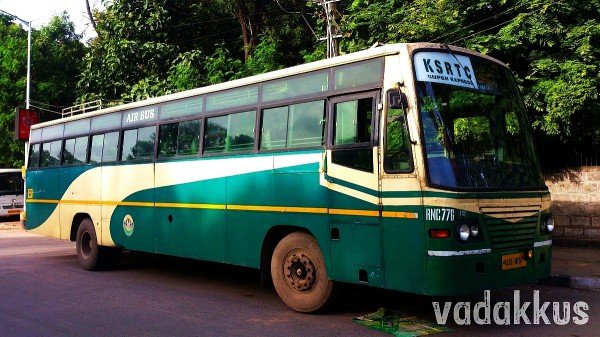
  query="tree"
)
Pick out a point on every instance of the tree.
point(249, 14)
point(13, 51)
point(552, 46)
point(146, 48)
point(56, 55)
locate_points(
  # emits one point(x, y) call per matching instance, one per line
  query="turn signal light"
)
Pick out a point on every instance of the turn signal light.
point(439, 233)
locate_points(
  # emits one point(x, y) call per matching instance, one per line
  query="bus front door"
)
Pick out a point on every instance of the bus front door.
point(352, 177)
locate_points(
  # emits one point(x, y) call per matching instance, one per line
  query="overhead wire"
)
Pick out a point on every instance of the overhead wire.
point(46, 104)
point(484, 30)
point(478, 22)
point(43, 109)
point(303, 18)
point(225, 19)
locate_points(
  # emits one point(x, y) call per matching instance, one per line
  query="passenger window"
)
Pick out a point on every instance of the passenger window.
point(188, 139)
point(44, 154)
point(358, 74)
point(230, 133)
point(298, 125)
point(80, 154)
point(129, 140)
point(179, 139)
point(75, 151)
point(34, 155)
point(96, 149)
point(109, 149)
point(274, 128)
point(138, 143)
point(167, 140)
point(353, 121)
point(306, 124)
point(352, 133)
point(397, 157)
point(68, 151)
point(50, 155)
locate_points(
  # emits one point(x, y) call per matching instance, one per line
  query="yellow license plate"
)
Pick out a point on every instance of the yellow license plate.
point(14, 211)
point(512, 261)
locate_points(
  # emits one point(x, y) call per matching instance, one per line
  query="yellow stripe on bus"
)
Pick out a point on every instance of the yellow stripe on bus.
point(193, 206)
point(280, 209)
point(401, 215)
point(337, 211)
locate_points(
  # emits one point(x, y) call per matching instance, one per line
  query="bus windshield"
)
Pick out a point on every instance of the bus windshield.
point(11, 183)
point(474, 125)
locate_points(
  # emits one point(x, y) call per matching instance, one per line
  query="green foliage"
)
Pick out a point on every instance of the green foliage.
point(147, 48)
point(56, 59)
point(221, 66)
point(13, 51)
point(56, 54)
point(552, 46)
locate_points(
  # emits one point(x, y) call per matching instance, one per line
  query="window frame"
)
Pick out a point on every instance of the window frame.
point(204, 125)
point(281, 104)
point(198, 153)
point(37, 162)
point(87, 150)
point(410, 142)
point(120, 143)
point(374, 120)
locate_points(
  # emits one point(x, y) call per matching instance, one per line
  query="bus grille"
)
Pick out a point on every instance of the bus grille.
point(511, 227)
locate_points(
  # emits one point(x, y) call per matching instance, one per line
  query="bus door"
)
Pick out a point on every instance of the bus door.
point(352, 177)
point(402, 198)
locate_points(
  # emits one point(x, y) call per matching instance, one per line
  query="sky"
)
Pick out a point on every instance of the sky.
point(41, 11)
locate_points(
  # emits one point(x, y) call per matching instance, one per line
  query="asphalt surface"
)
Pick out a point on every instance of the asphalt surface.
point(44, 292)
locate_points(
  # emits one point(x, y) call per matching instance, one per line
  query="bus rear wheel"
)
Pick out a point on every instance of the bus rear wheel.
point(299, 274)
point(91, 256)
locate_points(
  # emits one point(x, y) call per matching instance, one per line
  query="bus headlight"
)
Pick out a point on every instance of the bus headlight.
point(464, 232)
point(550, 224)
point(474, 230)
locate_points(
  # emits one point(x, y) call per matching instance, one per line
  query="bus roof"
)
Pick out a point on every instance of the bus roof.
point(373, 52)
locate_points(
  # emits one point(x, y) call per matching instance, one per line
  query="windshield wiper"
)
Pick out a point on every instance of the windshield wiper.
point(456, 58)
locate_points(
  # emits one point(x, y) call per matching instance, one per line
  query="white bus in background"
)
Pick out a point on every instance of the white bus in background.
point(11, 192)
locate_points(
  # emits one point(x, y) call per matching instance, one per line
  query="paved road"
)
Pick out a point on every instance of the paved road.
point(44, 292)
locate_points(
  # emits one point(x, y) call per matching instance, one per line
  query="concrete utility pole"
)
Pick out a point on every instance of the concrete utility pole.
point(331, 14)
point(28, 23)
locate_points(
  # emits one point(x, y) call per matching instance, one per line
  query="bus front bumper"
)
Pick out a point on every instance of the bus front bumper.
point(456, 274)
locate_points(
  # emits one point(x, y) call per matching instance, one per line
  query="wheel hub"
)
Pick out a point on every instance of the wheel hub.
point(86, 244)
point(300, 273)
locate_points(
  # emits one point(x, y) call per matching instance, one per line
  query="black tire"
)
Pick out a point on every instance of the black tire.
point(299, 273)
point(90, 255)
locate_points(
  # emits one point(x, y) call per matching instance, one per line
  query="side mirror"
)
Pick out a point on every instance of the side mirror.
point(397, 100)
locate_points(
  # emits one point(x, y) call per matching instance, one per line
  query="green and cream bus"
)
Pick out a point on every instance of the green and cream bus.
point(407, 167)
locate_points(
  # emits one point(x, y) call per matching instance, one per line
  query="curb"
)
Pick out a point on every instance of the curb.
point(573, 282)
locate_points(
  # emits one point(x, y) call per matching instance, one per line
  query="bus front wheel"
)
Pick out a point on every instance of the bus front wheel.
point(299, 274)
point(91, 256)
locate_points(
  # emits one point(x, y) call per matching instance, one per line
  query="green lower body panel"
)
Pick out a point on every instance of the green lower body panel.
point(460, 275)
